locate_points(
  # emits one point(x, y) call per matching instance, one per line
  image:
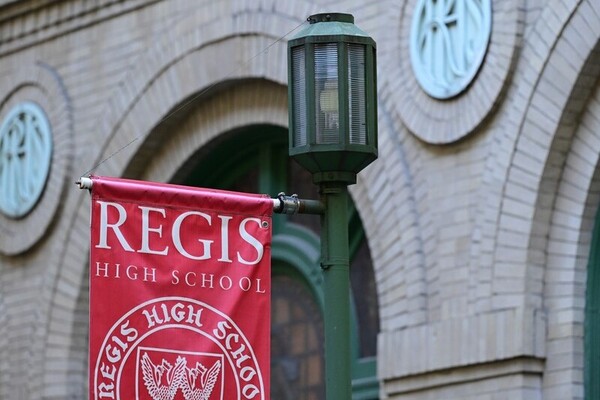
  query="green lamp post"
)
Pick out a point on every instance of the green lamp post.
point(333, 134)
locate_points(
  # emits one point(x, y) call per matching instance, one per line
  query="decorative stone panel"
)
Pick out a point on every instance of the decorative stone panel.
point(25, 156)
point(34, 96)
point(446, 119)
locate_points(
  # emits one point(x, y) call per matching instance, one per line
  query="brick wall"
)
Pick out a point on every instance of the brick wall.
point(478, 212)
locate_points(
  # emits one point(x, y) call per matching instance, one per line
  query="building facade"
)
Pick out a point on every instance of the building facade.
point(475, 226)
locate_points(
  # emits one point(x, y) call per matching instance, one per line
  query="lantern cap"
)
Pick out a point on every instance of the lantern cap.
point(327, 27)
point(331, 17)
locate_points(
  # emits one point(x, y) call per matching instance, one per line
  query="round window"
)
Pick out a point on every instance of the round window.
point(25, 158)
point(448, 42)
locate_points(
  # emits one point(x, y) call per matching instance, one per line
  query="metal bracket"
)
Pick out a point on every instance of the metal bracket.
point(85, 183)
point(293, 205)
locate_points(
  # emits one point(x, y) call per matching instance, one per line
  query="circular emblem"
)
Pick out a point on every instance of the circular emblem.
point(448, 42)
point(36, 151)
point(429, 86)
point(174, 348)
point(25, 158)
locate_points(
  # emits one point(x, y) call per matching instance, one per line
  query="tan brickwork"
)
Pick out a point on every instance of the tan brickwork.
point(479, 245)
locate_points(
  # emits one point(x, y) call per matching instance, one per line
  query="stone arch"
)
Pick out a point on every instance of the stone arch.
point(567, 249)
point(252, 102)
point(510, 166)
point(534, 233)
point(125, 127)
point(545, 120)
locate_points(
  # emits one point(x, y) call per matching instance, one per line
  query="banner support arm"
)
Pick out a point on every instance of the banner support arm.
point(293, 205)
point(85, 183)
point(283, 204)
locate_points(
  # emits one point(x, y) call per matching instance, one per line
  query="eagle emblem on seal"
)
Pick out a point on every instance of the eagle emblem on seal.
point(164, 380)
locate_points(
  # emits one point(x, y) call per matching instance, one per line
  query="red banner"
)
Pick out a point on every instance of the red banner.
point(179, 293)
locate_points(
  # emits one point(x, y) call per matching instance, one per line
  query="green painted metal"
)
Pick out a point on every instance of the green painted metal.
point(335, 262)
point(344, 155)
point(592, 319)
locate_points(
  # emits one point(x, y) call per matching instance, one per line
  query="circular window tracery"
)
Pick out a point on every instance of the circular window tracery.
point(25, 158)
point(448, 42)
point(475, 93)
point(36, 153)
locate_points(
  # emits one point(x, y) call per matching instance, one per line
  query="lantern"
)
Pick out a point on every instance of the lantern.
point(332, 98)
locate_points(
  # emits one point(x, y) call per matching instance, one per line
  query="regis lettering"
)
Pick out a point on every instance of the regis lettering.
point(192, 234)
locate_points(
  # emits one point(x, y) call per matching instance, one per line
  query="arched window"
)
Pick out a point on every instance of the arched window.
point(256, 160)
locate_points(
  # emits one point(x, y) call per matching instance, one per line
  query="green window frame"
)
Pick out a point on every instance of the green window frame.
point(592, 318)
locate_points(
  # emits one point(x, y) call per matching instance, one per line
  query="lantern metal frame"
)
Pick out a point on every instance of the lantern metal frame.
point(340, 159)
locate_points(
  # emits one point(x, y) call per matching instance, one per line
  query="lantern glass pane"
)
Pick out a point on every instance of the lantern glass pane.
point(300, 137)
point(326, 94)
point(357, 103)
